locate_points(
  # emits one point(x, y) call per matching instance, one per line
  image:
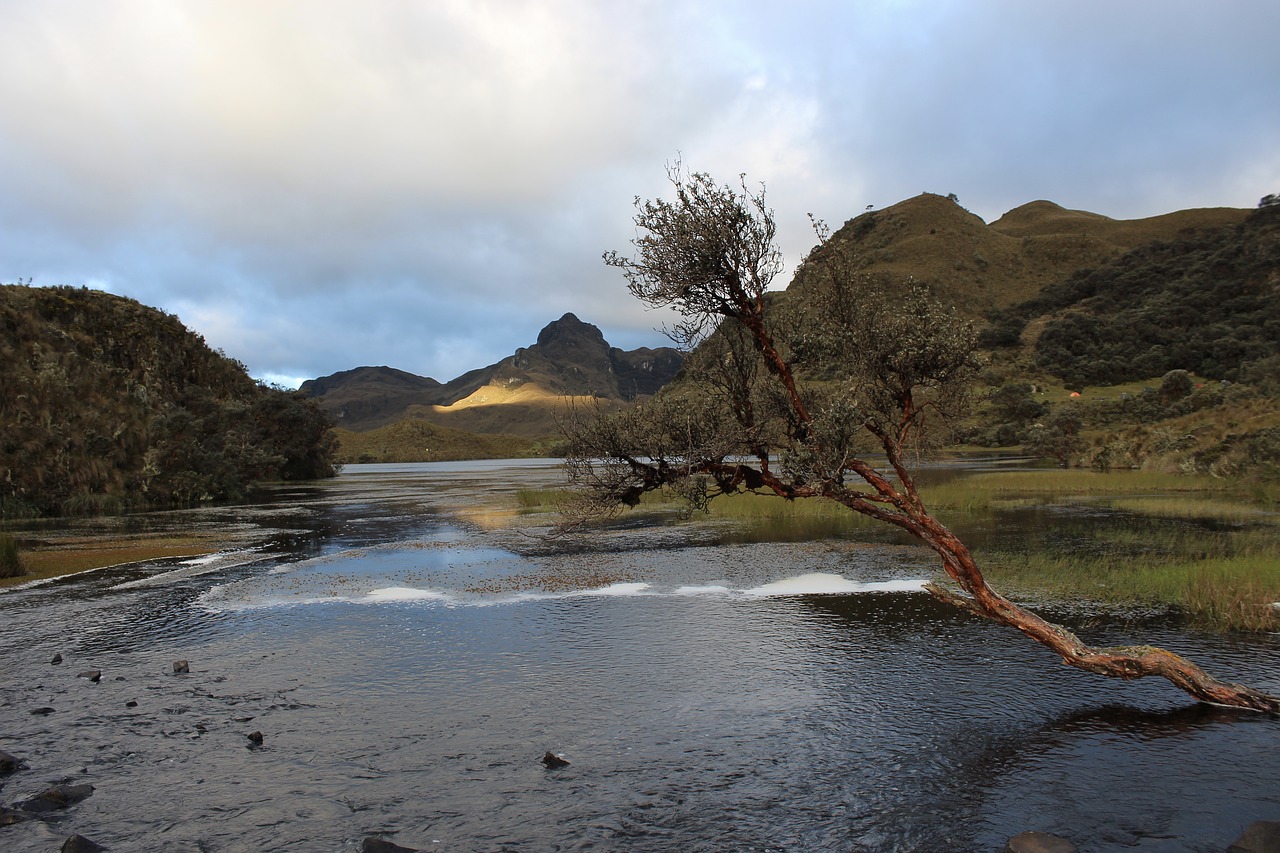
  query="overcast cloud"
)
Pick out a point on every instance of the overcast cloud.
point(315, 185)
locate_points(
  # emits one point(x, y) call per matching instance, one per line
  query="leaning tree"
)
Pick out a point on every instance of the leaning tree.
point(832, 396)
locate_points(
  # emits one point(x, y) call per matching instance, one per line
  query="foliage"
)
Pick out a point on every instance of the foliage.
point(108, 403)
point(1203, 303)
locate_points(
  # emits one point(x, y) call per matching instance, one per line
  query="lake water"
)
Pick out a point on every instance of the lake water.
point(409, 655)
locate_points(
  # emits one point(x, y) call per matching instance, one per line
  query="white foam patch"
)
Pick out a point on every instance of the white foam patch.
point(196, 567)
point(711, 589)
point(404, 593)
point(821, 583)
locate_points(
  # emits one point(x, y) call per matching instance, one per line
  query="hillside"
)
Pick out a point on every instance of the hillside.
point(519, 395)
point(979, 267)
point(107, 404)
point(1206, 301)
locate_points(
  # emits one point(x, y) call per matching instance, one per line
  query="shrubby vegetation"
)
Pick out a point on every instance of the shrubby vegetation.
point(108, 404)
point(1205, 303)
point(11, 564)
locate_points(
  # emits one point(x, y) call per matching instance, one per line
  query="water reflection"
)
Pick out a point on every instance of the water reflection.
point(699, 712)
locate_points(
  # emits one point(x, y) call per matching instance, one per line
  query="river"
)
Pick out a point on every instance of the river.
point(409, 654)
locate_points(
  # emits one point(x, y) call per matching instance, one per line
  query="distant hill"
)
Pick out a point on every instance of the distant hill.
point(979, 267)
point(1206, 301)
point(519, 395)
point(106, 403)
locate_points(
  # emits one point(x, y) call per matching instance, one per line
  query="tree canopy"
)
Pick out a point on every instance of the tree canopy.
point(832, 398)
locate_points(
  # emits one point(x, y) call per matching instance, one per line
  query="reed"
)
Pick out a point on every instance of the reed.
point(11, 562)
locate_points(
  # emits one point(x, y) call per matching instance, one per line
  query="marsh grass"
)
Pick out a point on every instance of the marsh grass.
point(11, 563)
point(542, 500)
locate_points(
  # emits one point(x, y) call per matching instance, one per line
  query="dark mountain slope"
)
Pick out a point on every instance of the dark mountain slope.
point(517, 395)
point(106, 403)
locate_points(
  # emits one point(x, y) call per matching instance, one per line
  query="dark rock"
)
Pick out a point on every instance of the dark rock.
point(377, 845)
point(9, 763)
point(1262, 836)
point(42, 712)
point(93, 675)
point(57, 659)
point(255, 738)
point(57, 797)
point(181, 666)
point(1039, 842)
point(80, 844)
point(554, 761)
point(120, 678)
point(131, 704)
point(8, 817)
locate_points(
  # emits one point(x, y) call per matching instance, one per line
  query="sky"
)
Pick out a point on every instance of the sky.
point(317, 185)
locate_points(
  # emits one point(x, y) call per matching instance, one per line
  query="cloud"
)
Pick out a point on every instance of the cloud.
point(319, 185)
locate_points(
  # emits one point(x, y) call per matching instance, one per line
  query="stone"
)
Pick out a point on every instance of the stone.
point(94, 675)
point(57, 797)
point(553, 761)
point(1261, 836)
point(42, 712)
point(80, 844)
point(8, 817)
point(372, 844)
point(131, 704)
point(1039, 842)
point(255, 738)
point(181, 666)
point(9, 763)
point(57, 659)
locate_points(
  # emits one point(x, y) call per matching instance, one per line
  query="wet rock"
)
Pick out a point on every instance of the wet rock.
point(1039, 842)
point(57, 797)
point(80, 844)
point(377, 845)
point(8, 817)
point(57, 659)
point(10, 763)
point(1262, 836)
point(553, 761)
point(131, 704)
point(255, 738)
point(94, 675)
point(42, 712)
point(181, 666)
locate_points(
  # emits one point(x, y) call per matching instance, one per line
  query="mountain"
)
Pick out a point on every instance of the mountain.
point(107, 403)
point(519, 395)
point(979, 267)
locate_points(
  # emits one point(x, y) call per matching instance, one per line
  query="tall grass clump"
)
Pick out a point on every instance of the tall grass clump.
point(11, 564)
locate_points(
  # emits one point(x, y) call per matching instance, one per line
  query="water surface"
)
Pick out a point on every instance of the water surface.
point(408, 660)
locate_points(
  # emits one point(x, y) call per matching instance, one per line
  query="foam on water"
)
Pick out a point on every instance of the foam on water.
point(404, 593)
point(821, 583)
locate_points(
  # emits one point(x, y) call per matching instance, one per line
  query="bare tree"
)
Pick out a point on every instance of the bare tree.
point(797, 398)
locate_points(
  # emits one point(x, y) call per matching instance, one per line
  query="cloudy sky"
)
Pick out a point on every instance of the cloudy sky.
point(315, 185)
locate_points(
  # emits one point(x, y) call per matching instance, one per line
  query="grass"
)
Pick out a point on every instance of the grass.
point(82, 554)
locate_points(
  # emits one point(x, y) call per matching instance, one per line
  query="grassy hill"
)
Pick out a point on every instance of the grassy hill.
point(980, 267)
point(107, 404)
point(412, 440)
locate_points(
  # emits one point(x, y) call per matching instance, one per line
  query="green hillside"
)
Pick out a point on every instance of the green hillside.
point(108, 404)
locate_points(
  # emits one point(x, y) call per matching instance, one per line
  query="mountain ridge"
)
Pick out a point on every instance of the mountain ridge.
point(518, 395)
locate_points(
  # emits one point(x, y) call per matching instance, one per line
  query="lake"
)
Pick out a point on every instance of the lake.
point(409, 649)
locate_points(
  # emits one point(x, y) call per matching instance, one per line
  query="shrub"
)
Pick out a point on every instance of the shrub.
point(11, 565)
